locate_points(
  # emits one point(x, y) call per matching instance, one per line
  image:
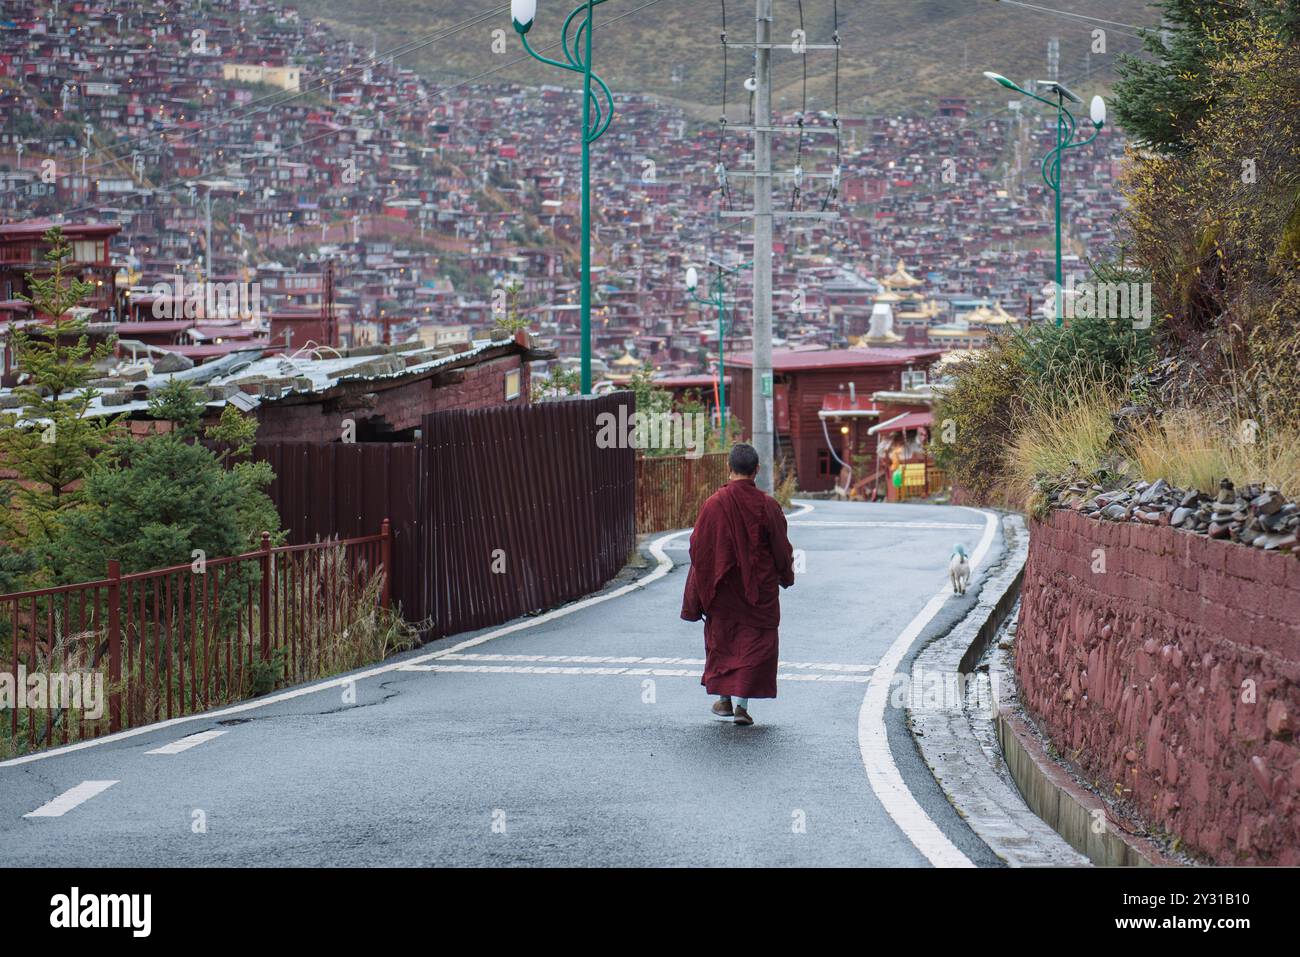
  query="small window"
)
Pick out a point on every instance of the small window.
point(824, 464)
point(513, 389)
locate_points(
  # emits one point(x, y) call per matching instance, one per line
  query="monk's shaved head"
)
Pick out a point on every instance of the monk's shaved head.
point(744, 460)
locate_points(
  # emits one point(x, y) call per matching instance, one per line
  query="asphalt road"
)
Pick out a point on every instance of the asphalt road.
point(511, 753)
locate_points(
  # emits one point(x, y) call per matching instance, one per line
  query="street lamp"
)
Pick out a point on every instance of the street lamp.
point(718, 300)
point(1065, 127)
point(595, 121)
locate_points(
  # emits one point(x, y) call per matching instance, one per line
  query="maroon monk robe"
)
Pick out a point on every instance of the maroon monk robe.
point(740, 559)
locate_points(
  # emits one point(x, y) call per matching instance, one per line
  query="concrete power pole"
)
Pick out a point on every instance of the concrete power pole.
point(207, 237)
point(762, 385)
point(764, 215)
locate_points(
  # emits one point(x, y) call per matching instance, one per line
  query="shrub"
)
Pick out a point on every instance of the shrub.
point(1216, 218)
point(978, 415)
point(156, 502)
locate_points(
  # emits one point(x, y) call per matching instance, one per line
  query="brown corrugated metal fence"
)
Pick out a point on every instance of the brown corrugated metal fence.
point(328, 490)
point(496, 513)
point(526, 511)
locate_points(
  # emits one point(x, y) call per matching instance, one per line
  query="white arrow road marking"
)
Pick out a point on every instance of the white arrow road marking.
point(873, 741)
point(70, 798)
point(184, 744)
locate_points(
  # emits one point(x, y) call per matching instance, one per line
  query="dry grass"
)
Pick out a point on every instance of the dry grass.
point(1071, 433)
point(354, 632)
point(787, 488)
point(1188, 450)
point(1072, 436)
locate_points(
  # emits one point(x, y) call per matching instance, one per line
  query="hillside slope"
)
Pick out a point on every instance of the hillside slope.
point(895, 52)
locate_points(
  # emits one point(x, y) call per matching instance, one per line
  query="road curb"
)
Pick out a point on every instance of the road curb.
point(1071, 810)
point(950, 712)
point(992, 765)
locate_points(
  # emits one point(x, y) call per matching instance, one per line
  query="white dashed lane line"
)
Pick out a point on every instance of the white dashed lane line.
point(184, 744)
point(628, 660)
point(663, 566)
point(626, 666)
point(608, 672)
point(901, 526)
point(71, 798)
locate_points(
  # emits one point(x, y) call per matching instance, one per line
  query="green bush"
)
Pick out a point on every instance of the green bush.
point(977, 416)
point(986, 407)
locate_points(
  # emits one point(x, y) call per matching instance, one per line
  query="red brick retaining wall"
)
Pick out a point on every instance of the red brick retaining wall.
point(1174, 673)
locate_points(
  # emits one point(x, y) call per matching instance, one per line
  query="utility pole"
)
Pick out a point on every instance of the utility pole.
point(762, 378)
point(764, 214)
point(331, 324)
point(207, 239)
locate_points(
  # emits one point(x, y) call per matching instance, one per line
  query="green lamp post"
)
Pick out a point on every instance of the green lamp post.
point(595, 121)
point(718, 300)
point(1065, 127)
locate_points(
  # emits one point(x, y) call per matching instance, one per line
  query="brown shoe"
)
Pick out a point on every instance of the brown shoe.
point(742, 717)
point(722, 708)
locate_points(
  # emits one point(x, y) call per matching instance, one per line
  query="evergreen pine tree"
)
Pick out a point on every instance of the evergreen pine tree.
point(52, 444)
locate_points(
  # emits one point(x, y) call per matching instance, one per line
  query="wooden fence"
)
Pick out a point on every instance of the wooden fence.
point(671, 489)
point(919, 480)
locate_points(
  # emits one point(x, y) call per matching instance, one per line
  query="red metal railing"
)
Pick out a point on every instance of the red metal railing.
point(179, 640)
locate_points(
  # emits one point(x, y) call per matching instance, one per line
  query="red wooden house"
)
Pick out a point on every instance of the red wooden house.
point(822, 406)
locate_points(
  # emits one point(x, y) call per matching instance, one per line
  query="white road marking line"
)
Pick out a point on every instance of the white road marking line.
point(625, 660)
point(873, 740)
point(184, 744)
point(665, 565)
point(71, 798)
point(624, 672)
point(898, 525)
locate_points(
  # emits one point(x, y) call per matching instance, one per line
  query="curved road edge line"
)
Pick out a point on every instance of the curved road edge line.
point(664, 566)
point(873, 739)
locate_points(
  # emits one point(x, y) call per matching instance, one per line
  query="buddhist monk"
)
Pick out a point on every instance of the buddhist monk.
point(739, 556)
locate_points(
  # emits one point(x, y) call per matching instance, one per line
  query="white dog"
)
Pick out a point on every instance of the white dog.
point(959, 570)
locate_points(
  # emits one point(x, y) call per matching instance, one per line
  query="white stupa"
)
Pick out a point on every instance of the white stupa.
point(881, 331)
